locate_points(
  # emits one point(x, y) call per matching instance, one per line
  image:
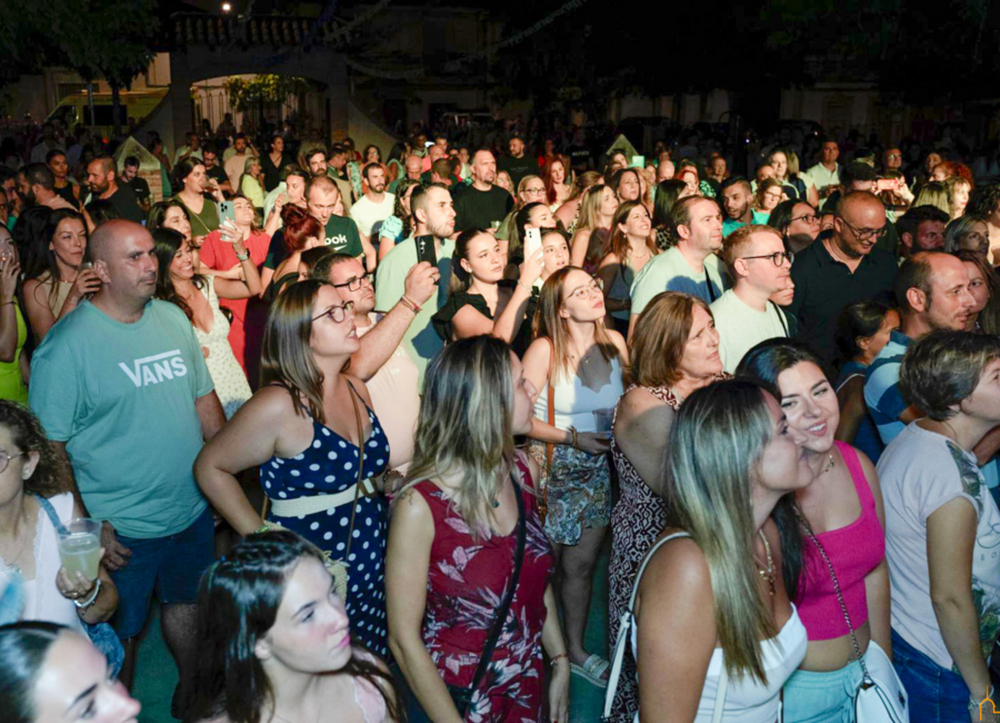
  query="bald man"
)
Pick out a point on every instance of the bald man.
point(121, 387)
point(102, 180)
point(841, 270)
point(482, 205)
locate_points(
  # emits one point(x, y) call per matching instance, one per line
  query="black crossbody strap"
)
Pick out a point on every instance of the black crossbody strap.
point(491, 641)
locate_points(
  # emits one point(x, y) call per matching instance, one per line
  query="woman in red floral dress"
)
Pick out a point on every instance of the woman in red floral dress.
point(453, 540)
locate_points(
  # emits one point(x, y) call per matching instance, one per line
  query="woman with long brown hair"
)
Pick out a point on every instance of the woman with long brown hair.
point(576, 364)
point(596, 213)
point(569, 211)
point(557, 182)
point(319, 445)
point(630, 247)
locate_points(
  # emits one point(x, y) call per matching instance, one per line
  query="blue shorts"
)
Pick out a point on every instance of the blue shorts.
point(171, 566)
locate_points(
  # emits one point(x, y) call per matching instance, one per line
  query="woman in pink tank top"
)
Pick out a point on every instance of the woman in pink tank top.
point(842, 509)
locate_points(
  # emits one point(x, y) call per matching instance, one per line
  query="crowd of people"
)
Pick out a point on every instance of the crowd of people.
point(364, 427)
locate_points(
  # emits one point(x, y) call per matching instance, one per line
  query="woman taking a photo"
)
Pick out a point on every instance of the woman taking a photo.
point(275, 642)
point(576, 364)
point(190, 177)
point(943, 528)
point(198, 297)
point(674, 351)
point(842, 519)
point(311, 431)
point(711, 604)
point(629, 249)
point(863, 329)
point(56, 279)
point(467, 544)
point(596, 213)
point(53, 673)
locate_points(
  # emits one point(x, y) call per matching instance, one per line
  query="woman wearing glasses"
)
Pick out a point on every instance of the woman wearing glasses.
point(797, 223)
point(576, 363)
point(319, 445)
point(479, 300)
point(770, 193)
point(530, 190)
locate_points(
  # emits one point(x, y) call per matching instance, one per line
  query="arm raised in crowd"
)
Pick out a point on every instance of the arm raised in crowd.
point(379, 344)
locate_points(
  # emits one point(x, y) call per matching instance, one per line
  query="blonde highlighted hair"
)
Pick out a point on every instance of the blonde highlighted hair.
point(465, 426)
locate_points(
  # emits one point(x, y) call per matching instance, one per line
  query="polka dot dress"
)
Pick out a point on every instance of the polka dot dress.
point(328, 466)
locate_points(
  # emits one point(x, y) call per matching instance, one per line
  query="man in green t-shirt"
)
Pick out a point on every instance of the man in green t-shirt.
point(434, 215)
point(121, 387)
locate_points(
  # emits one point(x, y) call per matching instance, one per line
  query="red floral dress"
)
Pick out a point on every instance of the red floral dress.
point(466, 584)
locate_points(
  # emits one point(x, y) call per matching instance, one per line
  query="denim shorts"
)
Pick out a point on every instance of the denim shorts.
point(936, 694)
point(170, 566)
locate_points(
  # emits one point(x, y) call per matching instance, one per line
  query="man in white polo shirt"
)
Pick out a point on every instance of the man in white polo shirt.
point(745, 316)
point(375, 206)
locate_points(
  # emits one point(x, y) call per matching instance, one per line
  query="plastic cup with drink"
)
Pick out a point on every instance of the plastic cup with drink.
point(80, 547)
point(603, 420)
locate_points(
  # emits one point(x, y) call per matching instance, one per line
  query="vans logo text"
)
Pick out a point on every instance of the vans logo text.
point(156, 369)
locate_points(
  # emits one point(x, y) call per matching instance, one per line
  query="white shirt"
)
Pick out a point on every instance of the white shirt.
point(366, 213)
point(822, 177)
point(741, 327)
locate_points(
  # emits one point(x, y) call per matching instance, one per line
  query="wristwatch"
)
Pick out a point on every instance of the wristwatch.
point(244, 257)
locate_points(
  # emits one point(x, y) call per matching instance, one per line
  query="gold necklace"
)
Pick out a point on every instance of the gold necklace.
point(829, 465)
point(766, 572)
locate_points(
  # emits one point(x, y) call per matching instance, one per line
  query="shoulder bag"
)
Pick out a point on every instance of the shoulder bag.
point(625, 631)
point(880, 696)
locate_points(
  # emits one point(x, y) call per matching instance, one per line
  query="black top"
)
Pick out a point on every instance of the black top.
point(272, 173)
point(124, 202)
point(478, 209)
point(518, 168)
point(824, 286)
point(443, 317)
point(141, 188)
point(218, 173)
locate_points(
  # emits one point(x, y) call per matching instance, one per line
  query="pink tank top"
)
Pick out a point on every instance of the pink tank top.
point(854, 551)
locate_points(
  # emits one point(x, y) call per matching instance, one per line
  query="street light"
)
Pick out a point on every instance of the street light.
point(226, 7)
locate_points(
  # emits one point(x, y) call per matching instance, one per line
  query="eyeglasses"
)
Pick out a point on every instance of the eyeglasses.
point(5, 458)
point(596, 286)
point(356, 283)
point(778, 258)
point(864, 234)
point(809, 218)
point(533, 191)
point(338, 313)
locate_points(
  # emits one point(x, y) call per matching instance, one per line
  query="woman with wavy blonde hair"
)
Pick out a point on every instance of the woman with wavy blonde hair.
point(468, 558)
point(596, 212)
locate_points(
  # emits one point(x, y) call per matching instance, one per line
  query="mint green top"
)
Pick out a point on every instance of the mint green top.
point(420, 341)
point(122, 398)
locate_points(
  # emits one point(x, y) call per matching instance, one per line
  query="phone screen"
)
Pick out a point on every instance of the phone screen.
point(425, 250)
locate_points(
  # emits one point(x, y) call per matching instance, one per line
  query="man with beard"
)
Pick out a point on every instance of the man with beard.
point(36, 186)
point(482, 205)
point(102, 180)
point(236, 159)
point(434, 216)
point(130, 175)
point(395, 386)
point(737, 202)
point(316, 164)
point(375, 206)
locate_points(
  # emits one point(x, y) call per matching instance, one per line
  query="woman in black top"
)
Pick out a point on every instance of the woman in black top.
point(273, 161)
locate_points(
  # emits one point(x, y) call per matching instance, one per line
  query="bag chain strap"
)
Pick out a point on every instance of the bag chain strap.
point(840, 598)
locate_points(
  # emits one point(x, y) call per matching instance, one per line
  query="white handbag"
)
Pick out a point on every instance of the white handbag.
point(880, 696)
point(624, 633)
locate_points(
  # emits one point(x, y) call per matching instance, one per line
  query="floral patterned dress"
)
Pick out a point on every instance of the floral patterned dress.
point(466, 584)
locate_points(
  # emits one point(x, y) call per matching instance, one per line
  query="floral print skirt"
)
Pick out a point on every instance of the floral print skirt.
point(577, 491)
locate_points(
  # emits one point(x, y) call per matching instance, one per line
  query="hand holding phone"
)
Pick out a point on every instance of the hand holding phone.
point(226, 212)
point(532, 242)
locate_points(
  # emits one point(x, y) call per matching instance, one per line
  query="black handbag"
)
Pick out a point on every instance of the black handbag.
point(462, 697)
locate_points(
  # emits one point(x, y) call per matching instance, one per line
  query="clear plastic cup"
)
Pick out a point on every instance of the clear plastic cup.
point(80, 548)
point(603, 420)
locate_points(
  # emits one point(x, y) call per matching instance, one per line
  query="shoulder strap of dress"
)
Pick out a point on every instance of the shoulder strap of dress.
point(645, 561)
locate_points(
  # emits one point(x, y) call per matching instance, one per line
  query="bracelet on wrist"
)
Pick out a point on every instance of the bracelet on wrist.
point(244, 257)
point(574, 438)
point(410, 304)
point(556, 658)
point(84, 604)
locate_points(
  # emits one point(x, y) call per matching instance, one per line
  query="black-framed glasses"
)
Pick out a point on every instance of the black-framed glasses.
point(807, 217)
point(338, 313)
point(778, 258)
point(864, 234)
point(356, 283)
point(5, 458)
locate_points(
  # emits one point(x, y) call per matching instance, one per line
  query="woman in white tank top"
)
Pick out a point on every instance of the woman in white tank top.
point(712, 594)
point(580, 362)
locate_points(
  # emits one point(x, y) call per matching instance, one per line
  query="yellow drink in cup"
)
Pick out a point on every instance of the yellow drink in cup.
point(80, 548)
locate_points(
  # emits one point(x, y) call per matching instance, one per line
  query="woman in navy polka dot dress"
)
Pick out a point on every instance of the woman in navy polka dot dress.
point(302, 429)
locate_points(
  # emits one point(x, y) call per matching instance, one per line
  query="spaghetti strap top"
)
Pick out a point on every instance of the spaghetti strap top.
point(854, 551)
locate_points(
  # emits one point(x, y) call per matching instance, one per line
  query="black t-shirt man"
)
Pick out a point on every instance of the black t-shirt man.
point(480, 209)
point(518, 168)
point(125, 203)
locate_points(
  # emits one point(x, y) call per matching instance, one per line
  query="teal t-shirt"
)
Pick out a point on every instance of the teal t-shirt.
point(122, 398)
point(420, 341)
point(342, 236)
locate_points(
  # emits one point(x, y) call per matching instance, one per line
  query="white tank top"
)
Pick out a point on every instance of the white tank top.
point(574, 404)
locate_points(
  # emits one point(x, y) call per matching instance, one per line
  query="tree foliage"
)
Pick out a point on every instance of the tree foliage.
point(263, 89)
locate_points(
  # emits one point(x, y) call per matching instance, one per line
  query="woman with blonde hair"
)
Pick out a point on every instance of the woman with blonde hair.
point(934, 193)
point(712, 625)
point(576, 364)
point(674, 350)
point(471, 609)
point(311, 430)
point(569, 211)
point(252, 182)
point(958, 196)
point(596, 213)
point(630, 247)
